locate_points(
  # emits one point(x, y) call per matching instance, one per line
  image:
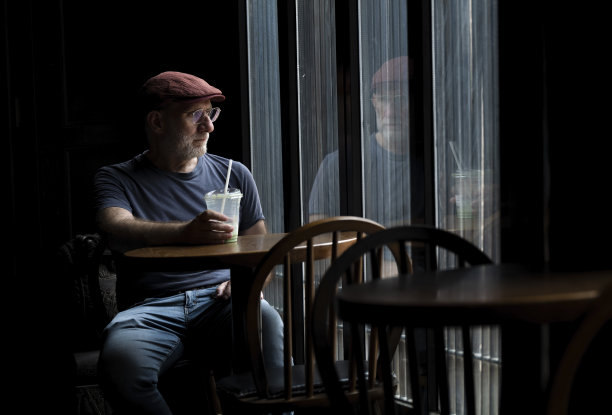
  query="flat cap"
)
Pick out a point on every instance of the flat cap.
point(394, 70)
point(176, 86)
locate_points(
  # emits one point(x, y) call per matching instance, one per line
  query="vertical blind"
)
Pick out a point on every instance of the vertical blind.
point(466, 142)
point(318, 111)
point(466, 137)
point(265, 113)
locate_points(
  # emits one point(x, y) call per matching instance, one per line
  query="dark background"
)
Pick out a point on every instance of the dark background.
point(71, 71)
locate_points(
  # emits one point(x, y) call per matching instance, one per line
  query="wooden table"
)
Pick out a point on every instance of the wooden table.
point(241, 258)
point(247, 251)
point(488, 294)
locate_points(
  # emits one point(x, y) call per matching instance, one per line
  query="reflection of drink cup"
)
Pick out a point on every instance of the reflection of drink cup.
point(467, 189)
point(227, 204)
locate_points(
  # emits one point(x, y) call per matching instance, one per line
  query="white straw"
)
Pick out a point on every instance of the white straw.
point(229, 171)
point(452, 147)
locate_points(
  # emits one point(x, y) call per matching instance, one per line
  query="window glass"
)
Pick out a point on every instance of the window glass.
point(392, 160)
point(392, 167)
point(466, 132)
point(466, 138)
point(318, 109)
point(466, 151)
point(264, 106)
point(265, 122)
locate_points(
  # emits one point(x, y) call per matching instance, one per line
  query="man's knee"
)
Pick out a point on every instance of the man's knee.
point(272, 334)
point(270, 317)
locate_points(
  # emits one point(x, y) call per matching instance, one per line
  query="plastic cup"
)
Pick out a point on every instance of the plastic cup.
point(467, 188)
point(227, 204)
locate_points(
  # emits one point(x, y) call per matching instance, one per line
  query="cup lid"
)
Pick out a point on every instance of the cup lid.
point(231, 192)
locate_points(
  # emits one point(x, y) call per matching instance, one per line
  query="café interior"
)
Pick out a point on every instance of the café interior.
point(499, 137)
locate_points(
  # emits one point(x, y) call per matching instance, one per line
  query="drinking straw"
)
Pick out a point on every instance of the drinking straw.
point(229, 171)
point(452, 147)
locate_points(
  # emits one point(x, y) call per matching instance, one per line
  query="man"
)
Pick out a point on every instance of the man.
point(157, 198)
point(393, 175)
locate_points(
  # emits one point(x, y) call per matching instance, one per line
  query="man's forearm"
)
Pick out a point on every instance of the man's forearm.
point(122, 225)
point(148, 233)
point(208, 227)
point(257, 229)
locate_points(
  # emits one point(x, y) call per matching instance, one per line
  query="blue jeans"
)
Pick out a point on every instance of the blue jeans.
point(142, 342)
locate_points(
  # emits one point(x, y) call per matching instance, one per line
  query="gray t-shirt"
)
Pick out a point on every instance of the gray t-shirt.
point(158, 195)
point(393, 187)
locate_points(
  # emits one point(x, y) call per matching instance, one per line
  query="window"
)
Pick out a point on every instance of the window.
point(318, 110)
point(372, 137)
point(466, 155)
point(265, 114)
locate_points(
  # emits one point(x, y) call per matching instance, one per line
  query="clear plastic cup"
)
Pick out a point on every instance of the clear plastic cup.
point(227, 204)
point(467, 191)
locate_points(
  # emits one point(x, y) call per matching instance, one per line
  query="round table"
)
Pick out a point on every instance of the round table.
point(522, 301)
point(484, 294)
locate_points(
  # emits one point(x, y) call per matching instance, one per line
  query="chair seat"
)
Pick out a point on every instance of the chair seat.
point(241, 386)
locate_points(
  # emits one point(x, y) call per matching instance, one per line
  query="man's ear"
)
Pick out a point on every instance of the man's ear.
point(154, 120)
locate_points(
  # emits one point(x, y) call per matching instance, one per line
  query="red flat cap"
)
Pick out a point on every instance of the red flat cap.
point(177, 86)
point(394, 70)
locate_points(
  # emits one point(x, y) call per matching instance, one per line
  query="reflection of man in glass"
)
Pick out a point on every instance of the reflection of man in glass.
point(393, 177)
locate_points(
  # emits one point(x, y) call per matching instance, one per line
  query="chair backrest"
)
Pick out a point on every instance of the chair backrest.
point(88, 272)
point(398, 240)
point(300, 246)
point(591, 327)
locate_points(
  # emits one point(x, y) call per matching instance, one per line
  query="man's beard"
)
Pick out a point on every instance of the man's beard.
point(200, 150)
point(395, 140)
point(188, 150)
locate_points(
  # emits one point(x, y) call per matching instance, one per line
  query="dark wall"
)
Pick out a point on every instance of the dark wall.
point(579, 138)
point(555, 139)
point(555, 167)
point(522, 149)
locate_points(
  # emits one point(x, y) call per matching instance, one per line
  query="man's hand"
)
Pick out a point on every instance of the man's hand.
point(224, 290)
point(208, 227)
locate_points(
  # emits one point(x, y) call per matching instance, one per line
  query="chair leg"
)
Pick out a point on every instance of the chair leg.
point(385, 358)
point(357, 338)
point(468, 371)
point(441, 370)
point(413, 365)
point(213, 398)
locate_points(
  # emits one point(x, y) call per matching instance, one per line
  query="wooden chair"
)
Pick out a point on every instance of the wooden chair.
point(88, 288)
point(591, 326)
point(422, 240)
point(296, 387)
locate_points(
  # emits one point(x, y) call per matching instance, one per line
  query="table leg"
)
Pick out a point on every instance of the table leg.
point(523, 373)
point(241, 278)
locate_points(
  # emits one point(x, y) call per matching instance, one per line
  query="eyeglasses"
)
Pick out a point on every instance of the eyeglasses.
point(388, 99)
point(212, 114)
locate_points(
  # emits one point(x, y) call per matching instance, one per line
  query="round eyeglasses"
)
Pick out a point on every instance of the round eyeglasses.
point(211, 113)
point(391, 99)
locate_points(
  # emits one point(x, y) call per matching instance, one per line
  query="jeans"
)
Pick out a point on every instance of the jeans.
point(142, 342)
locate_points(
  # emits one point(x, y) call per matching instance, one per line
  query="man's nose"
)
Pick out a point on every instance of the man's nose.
point(391, 110)
point(206, 125)
point(396, 109)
